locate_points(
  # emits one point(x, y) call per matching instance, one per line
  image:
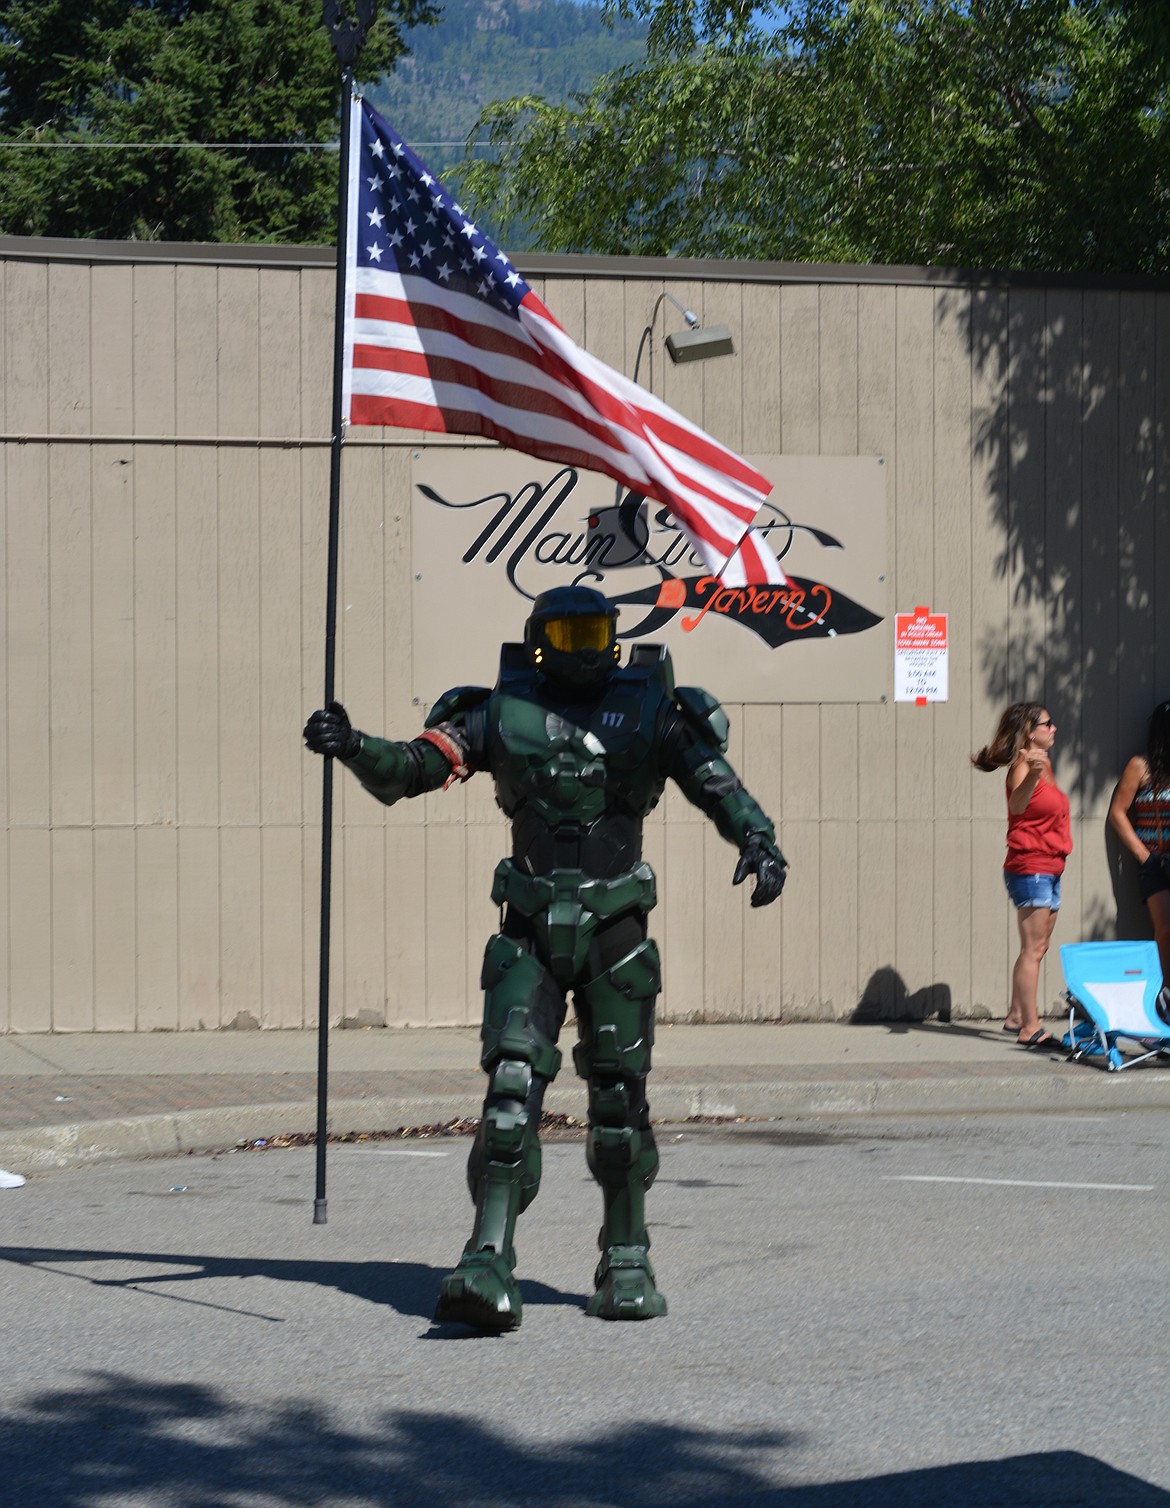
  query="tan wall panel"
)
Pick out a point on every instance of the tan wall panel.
point(913, 479)
point(363, 939)
point(877, 913)
point(725, 933)
point(282, 931)
point(877, 350)
point(406, 917)
point(113, 616)
point(30, 943)
point(839, 371)
point(800, 370)
point(800, 918)
point(723, 377)
point(239, 637)
point(238, 365)
point(197, 355)
point(955, 566)
point(994, 939)
point(155, 691)
point(71, 731)
point(317, 296)
point(115, 928)
point(759, 354)
point(840, 878)
point(111, 312)
point(197, 649)
point(156, 879)
point(26, 346)
point(677, 924)
point(163, 640)
point(314, 532)
point(240, 930)
point(447, 939)
point(27, 608)
point(72, 858)
point(281, 711)
point(279, 356)
point(70, 378)
point(156, 340)
point(201, 909)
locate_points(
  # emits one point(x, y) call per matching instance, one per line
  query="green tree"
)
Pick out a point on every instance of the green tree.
point(89, 72)
point(956, 132)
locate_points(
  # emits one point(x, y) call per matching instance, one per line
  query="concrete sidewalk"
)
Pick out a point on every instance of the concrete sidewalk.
point(70, 1100)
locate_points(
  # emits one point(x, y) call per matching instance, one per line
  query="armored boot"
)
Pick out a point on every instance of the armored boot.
point(624, 1160)
point(503, 1173)
point(523, 1011)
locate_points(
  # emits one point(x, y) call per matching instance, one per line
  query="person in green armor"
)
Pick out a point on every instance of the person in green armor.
point(580, 748)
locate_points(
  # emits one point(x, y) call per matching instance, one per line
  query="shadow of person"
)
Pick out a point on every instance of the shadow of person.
point(886, 1000)
point(409, 1288)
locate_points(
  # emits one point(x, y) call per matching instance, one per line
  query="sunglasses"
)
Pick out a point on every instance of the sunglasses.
point(1045, 722)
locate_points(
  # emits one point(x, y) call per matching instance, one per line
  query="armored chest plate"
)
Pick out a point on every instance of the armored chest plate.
point(571, 764)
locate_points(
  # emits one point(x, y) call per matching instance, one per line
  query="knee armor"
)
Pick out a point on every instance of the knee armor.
point(523, 1011)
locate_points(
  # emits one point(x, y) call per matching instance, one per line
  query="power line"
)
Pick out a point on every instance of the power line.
point(181, 146)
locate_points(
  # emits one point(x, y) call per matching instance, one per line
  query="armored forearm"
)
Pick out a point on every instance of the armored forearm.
point(391, 771)
point(706, 779)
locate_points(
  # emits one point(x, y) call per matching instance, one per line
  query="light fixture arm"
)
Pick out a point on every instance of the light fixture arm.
point(696, 345)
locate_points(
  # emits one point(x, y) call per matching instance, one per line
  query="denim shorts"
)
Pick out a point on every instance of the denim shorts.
point(1033, 890)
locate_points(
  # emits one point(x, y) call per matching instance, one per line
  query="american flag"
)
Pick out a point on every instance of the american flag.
point(442, 333)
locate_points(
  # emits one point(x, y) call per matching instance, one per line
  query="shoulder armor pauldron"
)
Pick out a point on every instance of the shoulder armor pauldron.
point(451, 703)
point(704, 714)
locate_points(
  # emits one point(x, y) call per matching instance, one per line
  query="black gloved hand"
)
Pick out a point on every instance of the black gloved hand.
point(763, 859)
point(328, 731)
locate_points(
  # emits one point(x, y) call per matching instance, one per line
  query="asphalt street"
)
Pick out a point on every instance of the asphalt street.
point(945, 1309)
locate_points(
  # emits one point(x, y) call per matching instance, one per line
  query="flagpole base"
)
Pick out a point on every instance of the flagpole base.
point(319, 1215)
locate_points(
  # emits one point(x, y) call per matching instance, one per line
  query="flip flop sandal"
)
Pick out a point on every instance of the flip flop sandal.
point(1041, 1040)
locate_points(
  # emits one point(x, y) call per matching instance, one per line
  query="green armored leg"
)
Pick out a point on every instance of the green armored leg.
point(503, 1171)
point(616, 1017)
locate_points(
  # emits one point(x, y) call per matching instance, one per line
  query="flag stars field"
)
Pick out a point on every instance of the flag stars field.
point(460, 344)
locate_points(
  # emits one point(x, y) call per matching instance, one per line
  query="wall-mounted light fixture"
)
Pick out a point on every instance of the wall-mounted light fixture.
point(695, 343)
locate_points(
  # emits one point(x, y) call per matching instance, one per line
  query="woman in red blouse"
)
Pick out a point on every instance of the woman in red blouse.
point(1039, 840)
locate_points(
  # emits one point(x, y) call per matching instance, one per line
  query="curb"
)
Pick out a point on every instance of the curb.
point(40, 1149)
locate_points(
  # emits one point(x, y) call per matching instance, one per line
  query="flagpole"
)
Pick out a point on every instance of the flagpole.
point(347, 38)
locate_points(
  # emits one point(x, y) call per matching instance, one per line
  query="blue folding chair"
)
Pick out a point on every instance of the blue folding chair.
point(1113, 994)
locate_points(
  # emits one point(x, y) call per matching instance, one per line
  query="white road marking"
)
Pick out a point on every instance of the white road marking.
point(1018, 1183)
point(393, 1152)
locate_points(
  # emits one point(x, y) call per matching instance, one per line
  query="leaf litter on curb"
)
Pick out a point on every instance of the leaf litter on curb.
point(551, 1125)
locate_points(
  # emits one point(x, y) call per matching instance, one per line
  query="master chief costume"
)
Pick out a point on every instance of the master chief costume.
point(579, 748)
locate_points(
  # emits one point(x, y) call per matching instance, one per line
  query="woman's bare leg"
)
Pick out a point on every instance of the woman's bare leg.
point(1035, 924)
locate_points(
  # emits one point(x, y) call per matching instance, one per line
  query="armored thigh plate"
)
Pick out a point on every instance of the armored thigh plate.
point(523, 1009)
point(617, 1017)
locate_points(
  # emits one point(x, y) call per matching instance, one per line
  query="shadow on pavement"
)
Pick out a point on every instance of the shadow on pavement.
point(410, 1288)
point(120, 1439)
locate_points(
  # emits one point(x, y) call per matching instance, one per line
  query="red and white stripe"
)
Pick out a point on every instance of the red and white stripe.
point(421, 356)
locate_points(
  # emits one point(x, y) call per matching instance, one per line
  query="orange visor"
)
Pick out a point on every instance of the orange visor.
point(571, 634)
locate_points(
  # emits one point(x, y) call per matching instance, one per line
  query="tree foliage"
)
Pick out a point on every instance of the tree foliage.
point(103, 73)
point(947, 132)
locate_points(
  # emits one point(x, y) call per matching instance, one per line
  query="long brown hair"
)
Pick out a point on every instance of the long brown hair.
point(1158, 746)
point(1015, 728)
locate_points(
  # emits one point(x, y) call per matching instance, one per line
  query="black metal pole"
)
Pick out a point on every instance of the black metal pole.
point(347, 38)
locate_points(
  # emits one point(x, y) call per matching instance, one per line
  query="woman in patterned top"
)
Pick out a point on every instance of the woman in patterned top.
point(1140, 816)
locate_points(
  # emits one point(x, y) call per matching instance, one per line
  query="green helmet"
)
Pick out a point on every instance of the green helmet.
point(571, 636)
